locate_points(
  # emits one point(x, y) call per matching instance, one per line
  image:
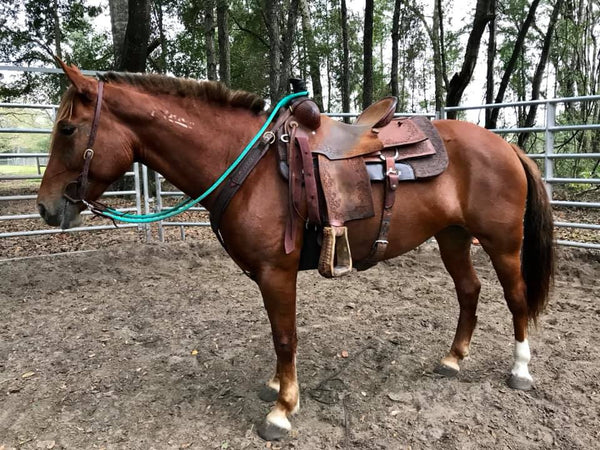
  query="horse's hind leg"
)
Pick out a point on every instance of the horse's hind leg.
point(506, 258)
point(455, 245)
point(278, 288)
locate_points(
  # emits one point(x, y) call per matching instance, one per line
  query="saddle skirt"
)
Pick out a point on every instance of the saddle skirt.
point(351, 157)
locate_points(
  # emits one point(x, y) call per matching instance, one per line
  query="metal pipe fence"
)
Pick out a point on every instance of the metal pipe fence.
point(146, 201)
point(549, 156)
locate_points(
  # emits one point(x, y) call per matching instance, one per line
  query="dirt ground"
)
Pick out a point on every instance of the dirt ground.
point(165, 346)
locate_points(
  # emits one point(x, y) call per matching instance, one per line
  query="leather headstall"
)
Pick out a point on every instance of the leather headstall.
point(76, 191)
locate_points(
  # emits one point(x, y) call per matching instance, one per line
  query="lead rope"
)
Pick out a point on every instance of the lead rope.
point(104, 211)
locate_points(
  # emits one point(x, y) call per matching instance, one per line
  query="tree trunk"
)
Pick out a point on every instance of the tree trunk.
point(437, 56)
point(312, 54)
point(345, 81)
point(539, 72)
point(368, 55)
point(272, 23)
point(135, 45)
point(57, 32)
point(224, 47)
point(491, 58)
point(460, 81)
point(134, 50)
point(162, 66)
point(118, 21)
point(443, 46)
point(512, 62)
point(287, 47)
point(209, 39)
point(395, 39)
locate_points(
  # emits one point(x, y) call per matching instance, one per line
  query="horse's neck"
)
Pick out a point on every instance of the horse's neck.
point(192, 147)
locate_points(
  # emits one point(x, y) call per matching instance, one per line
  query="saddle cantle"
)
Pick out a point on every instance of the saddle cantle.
point(379, 113)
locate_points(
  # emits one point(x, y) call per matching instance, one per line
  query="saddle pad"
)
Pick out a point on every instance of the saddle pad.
point(435, 164)
point(425, 159)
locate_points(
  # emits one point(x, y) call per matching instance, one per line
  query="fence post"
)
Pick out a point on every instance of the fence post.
point(138, 192)
point(549, 147)
point(146, 201)
point(158, 205)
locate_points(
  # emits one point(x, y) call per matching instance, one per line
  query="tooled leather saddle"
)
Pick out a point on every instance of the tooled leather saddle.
point(330, 167)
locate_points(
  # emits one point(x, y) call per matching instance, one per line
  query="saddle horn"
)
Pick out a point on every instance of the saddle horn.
point(298, 85)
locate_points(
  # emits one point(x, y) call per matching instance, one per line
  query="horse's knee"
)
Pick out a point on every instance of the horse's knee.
point(285, 344)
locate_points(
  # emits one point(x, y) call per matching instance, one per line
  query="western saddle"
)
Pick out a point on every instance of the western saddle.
point(330, 166)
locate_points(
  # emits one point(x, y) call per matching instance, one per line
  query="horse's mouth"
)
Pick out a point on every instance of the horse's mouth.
point(64, 215)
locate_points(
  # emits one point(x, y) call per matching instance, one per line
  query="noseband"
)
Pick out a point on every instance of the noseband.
point(75, 191)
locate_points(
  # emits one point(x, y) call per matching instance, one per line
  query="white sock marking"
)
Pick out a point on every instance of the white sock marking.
point(273, 384)
point(522, 357)
point(277, 417)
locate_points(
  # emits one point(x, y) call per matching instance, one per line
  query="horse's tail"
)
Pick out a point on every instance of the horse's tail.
point(537, 254)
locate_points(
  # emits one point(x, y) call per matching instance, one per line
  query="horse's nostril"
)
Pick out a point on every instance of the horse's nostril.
point(42, 210)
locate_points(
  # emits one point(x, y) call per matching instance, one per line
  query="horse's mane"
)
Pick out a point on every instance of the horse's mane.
point(210, 91)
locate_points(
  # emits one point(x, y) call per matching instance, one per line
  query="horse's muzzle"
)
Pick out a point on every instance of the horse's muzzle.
point(65, 214)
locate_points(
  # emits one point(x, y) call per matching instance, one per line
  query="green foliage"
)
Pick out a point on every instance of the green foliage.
point(249, 49)
point(28, 36)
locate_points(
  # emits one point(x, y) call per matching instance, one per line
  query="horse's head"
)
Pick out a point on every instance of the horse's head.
point(68, 178)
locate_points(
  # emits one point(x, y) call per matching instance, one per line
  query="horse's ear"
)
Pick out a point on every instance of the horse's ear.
point(83, 84)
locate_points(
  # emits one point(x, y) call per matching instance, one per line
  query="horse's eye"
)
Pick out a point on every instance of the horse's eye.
point(66, 129)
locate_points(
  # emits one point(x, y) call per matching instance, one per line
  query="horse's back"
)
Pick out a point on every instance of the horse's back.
point(483, 185)
point(488, 173)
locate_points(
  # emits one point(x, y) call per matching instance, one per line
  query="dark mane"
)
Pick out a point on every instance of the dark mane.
point(210, 91)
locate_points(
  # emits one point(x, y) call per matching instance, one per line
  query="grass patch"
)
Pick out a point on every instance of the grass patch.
point(19, 170)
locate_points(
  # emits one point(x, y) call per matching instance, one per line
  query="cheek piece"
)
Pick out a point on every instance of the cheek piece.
point(75, 191)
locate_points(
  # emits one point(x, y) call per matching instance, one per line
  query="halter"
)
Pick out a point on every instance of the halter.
point(75, 191)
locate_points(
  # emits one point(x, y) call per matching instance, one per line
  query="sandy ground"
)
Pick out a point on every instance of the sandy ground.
point(164, 346)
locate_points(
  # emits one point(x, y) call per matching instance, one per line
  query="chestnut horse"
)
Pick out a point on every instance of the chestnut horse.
point(191, 132)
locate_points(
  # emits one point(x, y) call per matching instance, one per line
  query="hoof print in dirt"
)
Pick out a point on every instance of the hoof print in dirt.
point(446, 371)
point(267, 394)
point(270, 432)
point(521, 384)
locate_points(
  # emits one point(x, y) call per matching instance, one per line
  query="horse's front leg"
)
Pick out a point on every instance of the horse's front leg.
point(278, 288)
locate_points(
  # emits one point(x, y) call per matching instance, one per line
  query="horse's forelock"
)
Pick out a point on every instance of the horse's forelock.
point(64, 112)
point(65, 109)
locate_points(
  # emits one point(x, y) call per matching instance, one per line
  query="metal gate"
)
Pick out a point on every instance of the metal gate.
point(142, 200)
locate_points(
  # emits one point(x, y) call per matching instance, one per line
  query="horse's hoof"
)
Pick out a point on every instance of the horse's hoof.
point(520, 383)
point(446, 371)
point(267, 394)
point(271, 432)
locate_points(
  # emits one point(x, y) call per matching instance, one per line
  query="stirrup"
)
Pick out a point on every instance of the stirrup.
point(335, 259)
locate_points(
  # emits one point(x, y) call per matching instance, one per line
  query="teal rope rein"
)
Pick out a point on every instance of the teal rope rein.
point(188, 203)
